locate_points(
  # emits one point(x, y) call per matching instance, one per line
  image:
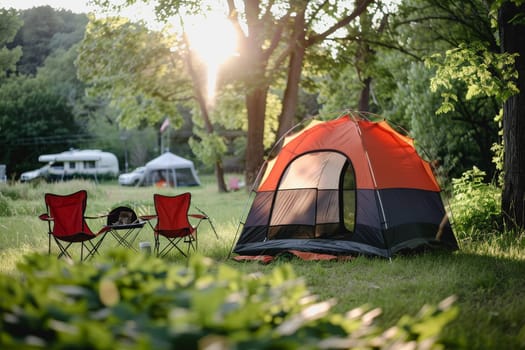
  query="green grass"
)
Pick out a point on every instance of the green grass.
point(490, 292)
point(486, 276)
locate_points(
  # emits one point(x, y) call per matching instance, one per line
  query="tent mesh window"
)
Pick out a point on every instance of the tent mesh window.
point(184, 177)
point(348, 197)
point(309, 203)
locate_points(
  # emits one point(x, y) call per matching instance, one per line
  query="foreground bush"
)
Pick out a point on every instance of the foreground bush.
point(137, 302)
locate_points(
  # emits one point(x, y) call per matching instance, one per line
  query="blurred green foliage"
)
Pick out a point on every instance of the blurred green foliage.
point(125, 301)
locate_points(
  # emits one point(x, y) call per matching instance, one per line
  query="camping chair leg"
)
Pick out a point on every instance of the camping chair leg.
point(90, 251)
point(94, 247)
point(49, 231)
point(189, 242)
point(213, 228)
point(180, 250)
point(169, 246)
point(191, 239)
point(209, 220)
point(63, 250)
point(175, 244)
point(157, 246)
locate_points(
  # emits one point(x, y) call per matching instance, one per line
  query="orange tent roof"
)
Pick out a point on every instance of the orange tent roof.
point(380, 156)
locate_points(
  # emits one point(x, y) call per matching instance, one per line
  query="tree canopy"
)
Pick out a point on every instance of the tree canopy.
point(10, 23)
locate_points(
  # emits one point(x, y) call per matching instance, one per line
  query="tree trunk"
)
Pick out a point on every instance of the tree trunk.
point(291, 94)
point(219, 176)
point(256, 107)
point(364, 59)
point(299, 45)
point(295, 66)
point(364, 97)
point(219, 170)
point(513, 197)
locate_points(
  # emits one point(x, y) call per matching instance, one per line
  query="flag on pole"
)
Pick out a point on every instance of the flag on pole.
point(164, 125)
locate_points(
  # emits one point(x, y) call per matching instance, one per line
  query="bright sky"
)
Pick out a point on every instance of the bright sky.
point(77, 6)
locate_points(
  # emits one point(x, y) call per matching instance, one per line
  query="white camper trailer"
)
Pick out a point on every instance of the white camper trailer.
point(75, 163)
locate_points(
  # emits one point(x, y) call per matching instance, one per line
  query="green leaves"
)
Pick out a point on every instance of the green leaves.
point(483, 72)
point(475, 206)
point(10, 25)
point(209, 149)
point(127, 301)
point(139, 69)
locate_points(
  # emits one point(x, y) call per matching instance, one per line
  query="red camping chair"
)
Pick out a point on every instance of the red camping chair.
point(173, 223)
point(67, 224)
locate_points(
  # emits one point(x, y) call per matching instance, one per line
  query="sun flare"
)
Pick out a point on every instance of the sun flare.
point(213, 39)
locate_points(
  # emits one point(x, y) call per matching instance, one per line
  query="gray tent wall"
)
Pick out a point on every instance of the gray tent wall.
point(173, 169)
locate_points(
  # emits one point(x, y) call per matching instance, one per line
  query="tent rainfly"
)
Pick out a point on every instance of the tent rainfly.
point(171, 169)
point(347, 186)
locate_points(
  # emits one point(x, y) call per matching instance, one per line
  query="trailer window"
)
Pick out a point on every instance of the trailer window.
point(57, 166)
point(89, 164)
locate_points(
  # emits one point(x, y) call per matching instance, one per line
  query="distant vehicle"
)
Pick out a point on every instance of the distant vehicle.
point(3, 176)
point(35, 174)
point(74, 163)
point(133, 178)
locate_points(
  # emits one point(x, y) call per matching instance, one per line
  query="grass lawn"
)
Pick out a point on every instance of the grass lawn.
point(486, 277)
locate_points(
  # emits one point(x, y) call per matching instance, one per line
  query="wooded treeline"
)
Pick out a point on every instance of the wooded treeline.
point(448, 72)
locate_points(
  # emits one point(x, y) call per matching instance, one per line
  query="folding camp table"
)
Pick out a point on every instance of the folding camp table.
point(124, 232)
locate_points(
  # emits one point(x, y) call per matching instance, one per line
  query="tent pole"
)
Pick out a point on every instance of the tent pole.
point(371, 169)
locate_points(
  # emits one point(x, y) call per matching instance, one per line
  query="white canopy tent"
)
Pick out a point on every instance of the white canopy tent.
point(171, 169)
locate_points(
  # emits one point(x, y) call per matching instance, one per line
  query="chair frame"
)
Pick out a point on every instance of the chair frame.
point(63, 239)
point(184, 232)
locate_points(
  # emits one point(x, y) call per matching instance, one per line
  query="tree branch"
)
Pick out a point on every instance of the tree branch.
point(343, 22)
point(233, 17)
point(276, 38)
point(315, 13)
point(381, 44)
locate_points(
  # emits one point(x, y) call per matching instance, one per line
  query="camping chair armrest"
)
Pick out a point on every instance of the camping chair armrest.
point(45, 217)
point(99, 216)
point(147, 217)
point(201, 217)
point(198, 216)
point(92, 217)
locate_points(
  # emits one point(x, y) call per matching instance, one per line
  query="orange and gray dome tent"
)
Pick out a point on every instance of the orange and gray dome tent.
point(349, 186)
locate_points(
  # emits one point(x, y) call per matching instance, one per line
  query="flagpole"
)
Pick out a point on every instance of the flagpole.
point(168, 140)
point(165, 125)
point(161, 143)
